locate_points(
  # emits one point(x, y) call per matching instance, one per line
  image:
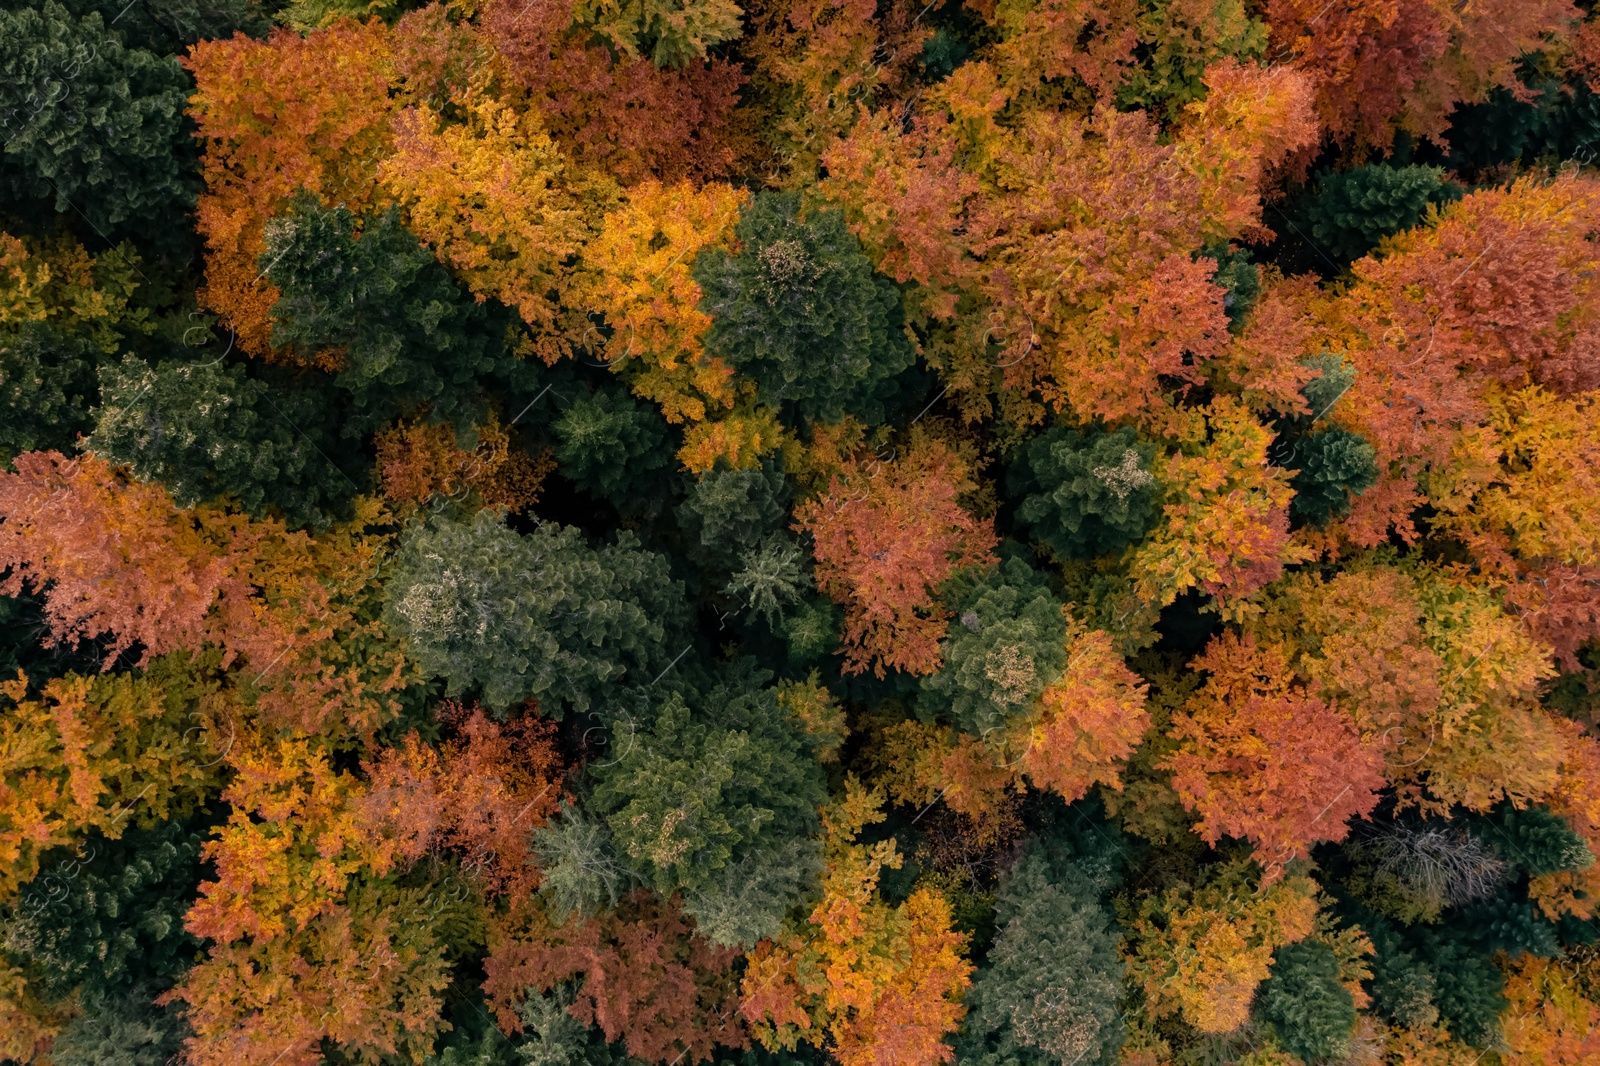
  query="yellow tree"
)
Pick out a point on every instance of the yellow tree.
point(877, 983)
point(496, 201)
point(107, 752)
point(1088, 721)
point(57, 281)
point(1225, 528)
point(637, 273)
point(1202, 952)
point(307, 945)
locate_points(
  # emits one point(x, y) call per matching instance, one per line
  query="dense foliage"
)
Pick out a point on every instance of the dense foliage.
point(799, 533)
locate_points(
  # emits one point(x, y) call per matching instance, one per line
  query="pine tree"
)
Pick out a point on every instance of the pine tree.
point(92, 127)
point(106, 919)
point(1050, 990)
point(1086, 494)
point(800, 310)
point(1312, 1014)
point(47, 384)
point(207, 430)
point(403, 336)
point(1006, 643)
point(1351, 211)
point(732, 785)
point(612, 445)
point(542, 616)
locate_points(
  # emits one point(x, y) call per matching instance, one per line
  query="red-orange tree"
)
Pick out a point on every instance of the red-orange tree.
point(885, 534)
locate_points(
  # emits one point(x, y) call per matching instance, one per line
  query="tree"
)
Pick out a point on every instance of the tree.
point(611, 445)
point(1520, 489)
point(1422, 975)
point(1178, 42)
point(169, 27)
point(57, 283)
point(625, 116)
point(492, 198)
point(542, 615)
point(1088, 720)
point(800, 310)
point(1312, 1014)
point(1007, 643)
point(296, 835)
point(61, 312)
point(126, 1030)
point(1334, 465)
point(1203, 952)
point(642, 976)
point(1262, 761)
point(124, 566)
point(422, 463)
point(876, 982)
point(1350, 212)
point(105, 919)
point(110, 555)
point(1412, 872)
point(1225, 526)
point(96, 127)
point(1533, 839)
point(638, 272)
point(482, 793)
point(814, 63)
point(105, 754)
point(1430, 331)
point(206, 430)
point(1049, 993)
point(340, 282)
point(327, 131)
point(365, 975)
point(47, 382)
point(1553, 1017)
point(671, 34)
point(883, 551)
point(1381, 70)
point(731, 785)
point(730, 513)
point(1085, 494)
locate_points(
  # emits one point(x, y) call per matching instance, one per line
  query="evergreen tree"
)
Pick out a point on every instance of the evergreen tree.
point(91, 127)
point(553, 1037)
point(612, 446)
point(206, 429)
point(407, 336)
point(801, 311)
point(1049, 993)
point(730, 513)
point(1007, 642)
point(1311, 1013)
point(107, 918)
point(168, 27)
point(1351, 211)
point(579, 869)
point(47, 381)
point(1533, 839)
point(1239, 278)
point(731, 785)
point(542, 616)
point(127, 1030)
point(1332, 463)
point(1425, 974)
point(1085, 494)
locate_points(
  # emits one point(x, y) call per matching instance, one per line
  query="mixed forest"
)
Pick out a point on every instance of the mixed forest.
point(800, 533)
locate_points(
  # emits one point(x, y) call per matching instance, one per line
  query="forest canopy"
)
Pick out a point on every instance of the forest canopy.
point(800, 533)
